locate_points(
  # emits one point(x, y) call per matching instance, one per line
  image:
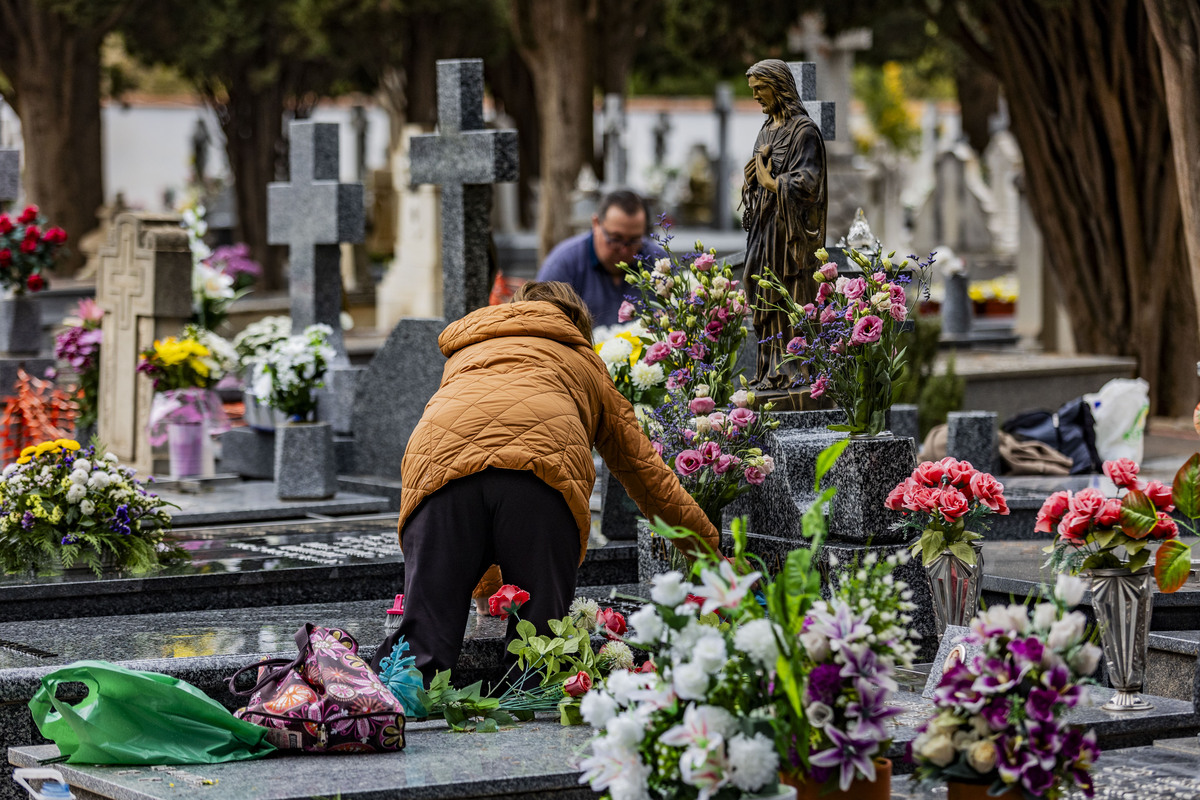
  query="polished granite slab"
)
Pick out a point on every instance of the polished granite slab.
point(248, 501)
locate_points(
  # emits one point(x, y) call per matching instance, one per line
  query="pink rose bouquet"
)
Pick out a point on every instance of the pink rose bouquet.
point(847, 342)
point(1094, 531)
point(947, 501)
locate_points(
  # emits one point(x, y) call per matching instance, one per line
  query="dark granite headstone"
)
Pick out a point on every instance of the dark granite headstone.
point(904, 422)
point(956, 308)
point(971, 436)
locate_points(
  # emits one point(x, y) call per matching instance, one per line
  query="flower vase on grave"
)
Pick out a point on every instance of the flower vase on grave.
point(185, 420)
point(190, 446)
point(20, 325)
point(860, 789)
point(304, 465)
point(956, 587)
point(1123, 604)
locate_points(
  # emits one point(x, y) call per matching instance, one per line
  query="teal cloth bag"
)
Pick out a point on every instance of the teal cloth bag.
point(131, 717)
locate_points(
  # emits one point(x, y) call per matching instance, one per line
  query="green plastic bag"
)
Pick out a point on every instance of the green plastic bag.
point(131, 717)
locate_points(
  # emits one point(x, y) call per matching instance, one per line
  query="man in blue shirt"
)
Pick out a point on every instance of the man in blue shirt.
point(588, 261)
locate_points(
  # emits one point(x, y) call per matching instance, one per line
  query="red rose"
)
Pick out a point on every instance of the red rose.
point(33, 232)
point(647, 667)
point(920, 498)
point(952, 503)
point(56, 236)
point(989, 491)
point(1165, 528)
point(1052, 512)
point(895, 500)
point(1123, 472)
point(612, 624)
point(1074, 527)
point(507, 601)
point(958, 473)
point(929, 474)
point(1110, 514)
point(35, 283)
point(1088, 502)
point(1160, 495)
point(6, 225)
point(28, 215)
point(578, 685)
point(5, 257)
point(29, 246)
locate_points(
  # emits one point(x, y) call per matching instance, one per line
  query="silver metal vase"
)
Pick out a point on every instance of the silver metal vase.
point(1123, 603)
point(956, 587)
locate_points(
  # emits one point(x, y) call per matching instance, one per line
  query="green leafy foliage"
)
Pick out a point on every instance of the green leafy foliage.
point(1186, 489)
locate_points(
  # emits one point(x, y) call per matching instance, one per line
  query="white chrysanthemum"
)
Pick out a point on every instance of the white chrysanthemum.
point(83, 464)
point(626, 729)
point(752, 762)
point(623, 684)
point(669, 588)
point(597, 708)
point(10, 469)
point(583, 612)
point(646, 376)
point(709, 652)
point(615, 655)
point(79, 476)
point(690, 681)
point(99, 480)
point(757, 640)
point(76, 493)
point(614, 351)
point(87, 508)
point(647, 625)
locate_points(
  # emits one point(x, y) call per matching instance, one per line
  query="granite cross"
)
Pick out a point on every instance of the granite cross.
point(10, 174)
point(464, 159)
point(821, 111)
point(314, 214)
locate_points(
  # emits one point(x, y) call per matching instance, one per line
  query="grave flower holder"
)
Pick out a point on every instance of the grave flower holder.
point(304, 466)
point(185, 420)
point(956, 587)
point(1123, 602)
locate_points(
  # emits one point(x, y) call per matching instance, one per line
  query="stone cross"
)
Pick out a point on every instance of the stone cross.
point(821, 111)
point(144, 286)
point(314, 214)
point(10, 174)
point(464, 159)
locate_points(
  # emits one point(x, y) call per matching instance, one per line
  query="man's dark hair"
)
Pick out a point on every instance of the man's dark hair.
point(778, 75)
point(629, 202)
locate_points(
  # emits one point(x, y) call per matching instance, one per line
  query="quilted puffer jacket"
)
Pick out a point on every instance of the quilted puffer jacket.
point(524, 390)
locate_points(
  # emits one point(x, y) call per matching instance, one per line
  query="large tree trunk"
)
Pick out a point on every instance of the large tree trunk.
point(1089, 112)
point(551, 36)
point(1176, 27)
point(54, 69)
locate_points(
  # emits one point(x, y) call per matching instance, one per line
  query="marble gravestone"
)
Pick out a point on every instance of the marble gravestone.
point(144, 286)
point(465, 160)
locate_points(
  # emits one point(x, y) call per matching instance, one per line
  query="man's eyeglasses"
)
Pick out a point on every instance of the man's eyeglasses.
point(620, 241)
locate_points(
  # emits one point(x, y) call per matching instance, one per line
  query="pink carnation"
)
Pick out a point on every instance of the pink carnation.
point(867, 330)
point(1123, 472)
point(625, 312)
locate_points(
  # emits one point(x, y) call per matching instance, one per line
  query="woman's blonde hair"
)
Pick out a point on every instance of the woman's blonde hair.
point(563, 296)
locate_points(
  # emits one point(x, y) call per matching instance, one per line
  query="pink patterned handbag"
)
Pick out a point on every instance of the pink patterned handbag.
point(326, 700)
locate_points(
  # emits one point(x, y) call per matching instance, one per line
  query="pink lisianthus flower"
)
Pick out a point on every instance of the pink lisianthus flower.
point(702, 405)
point(897, 292)
point(724, 463)
point(677, 339)
point(867, 330)
point(827, 272)
point(712, 330)
point(657, 352)
point(828, 314)
point(754, 476)
point(898, 312)
point(704, 262)
point(625, 312)
point(818, 386)
point(823, 292)
point(796, 346)
point(855, 288)
point(740, 398)
point(741, 417)
point(710, 452)
point(657, 446)
point(717, 419)
point(879, 277)
point(768, 465)
point(688, 462)
point(698, 351)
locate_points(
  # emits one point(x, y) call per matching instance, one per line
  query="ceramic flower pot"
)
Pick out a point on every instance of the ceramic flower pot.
point(956, 587)
point(304, 466)
point(1123, 601)
point(191, 450)
point(878, 789)
point(20, 326)
point(977, 791)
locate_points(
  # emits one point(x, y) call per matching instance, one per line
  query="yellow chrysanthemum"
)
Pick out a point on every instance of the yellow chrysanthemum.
point(199, 367)
point(24, 459)
point(29, 450)
point(67, 444)
point(45, 447)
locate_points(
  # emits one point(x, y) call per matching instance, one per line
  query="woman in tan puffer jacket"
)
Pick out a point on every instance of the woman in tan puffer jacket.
point(499, 470)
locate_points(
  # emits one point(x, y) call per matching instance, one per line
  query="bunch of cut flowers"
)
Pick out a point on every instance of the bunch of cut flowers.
point(197, 359)
point(1000, 714)
point(1094, 531)
point(287, 376)
point(690, 311)
point(218, 277)
point(848, 341)
point(78, 347)
point(717, 450)
point(27, 249)
point(256, 339)
point(634, 368)
point(948, 503)
point(62, 505)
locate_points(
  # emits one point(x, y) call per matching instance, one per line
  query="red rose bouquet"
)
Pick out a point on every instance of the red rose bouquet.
point(27, 248)
point(1094, 531)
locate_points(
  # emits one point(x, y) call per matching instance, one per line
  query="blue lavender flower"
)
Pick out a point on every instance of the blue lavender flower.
point(120, 521)
point(27, 521)
point(69, 539)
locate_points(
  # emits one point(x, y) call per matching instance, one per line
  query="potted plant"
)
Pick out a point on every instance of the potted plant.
point(848, 342)
point(186, 412)
point(286, 378)
point(67, 505)
point(999, 730)
point(27, 249)
point(947, 502)
point(78, 347)
point(252, 344)
point(1110, 538)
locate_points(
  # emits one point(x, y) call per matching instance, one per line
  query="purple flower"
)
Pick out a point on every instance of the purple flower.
point(871, 711)
point(996, 713)
point(1040, 704)
point(1037, 780)
point(849, 755)
point(1027, 651)
point(864, 665)
point(27, 520)
point(69, 539)
point(824, 682)
point(120, 521)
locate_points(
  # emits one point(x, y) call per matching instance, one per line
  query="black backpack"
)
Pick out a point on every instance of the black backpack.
point(1070, 431)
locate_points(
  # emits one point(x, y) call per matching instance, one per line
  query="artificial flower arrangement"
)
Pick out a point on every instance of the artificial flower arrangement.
point(634, 368)
point(1092, 531)
point(848, 341)
point(287, 376)
point(947, 502)
point(717, 450)
point(184, 369)
point(218, 277)
point(27, 249)
point(65, 504)
point(78, 346)
point(1000, 720)
point(690, 312)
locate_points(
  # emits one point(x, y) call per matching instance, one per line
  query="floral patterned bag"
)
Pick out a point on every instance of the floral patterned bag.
point(326, 700)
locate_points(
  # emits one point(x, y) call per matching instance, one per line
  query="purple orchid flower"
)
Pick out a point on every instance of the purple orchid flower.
point(871, 711)
point(1040, 704)
point(849, 755)
point(1028, 652)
